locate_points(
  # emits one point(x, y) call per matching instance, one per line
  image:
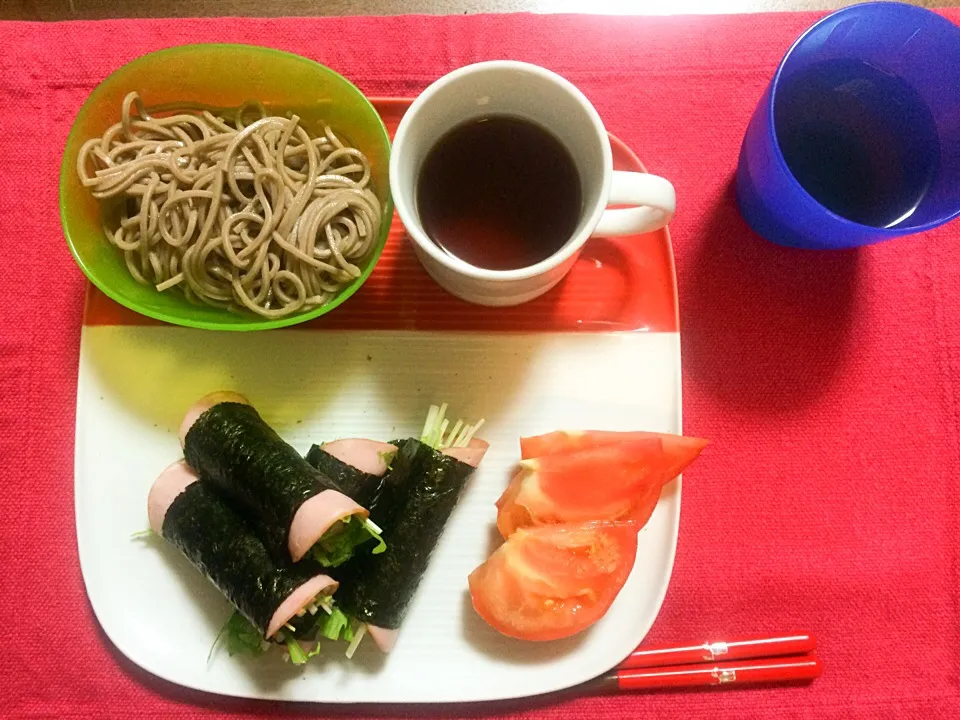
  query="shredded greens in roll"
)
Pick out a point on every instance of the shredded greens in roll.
point(338, 543)
point(240, 637)
point(436, 435)
point(388, 458)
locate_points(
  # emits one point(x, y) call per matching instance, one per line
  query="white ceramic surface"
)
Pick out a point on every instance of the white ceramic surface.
point(312, 385)
point(519, 89)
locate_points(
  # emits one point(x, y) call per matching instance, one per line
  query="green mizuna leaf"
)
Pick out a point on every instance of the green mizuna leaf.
point(338, 544)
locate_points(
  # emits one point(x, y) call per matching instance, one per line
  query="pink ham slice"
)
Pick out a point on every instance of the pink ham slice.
point(385, 638)
point(168, 486)
point(472, 454)
point(176, 478)
point(298, 600)
point(369, 456)
point(316, 516)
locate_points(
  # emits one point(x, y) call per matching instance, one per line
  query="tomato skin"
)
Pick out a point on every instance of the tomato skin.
point(643, 509)
point(678, 450)
point(609, 482)
point(552, 582)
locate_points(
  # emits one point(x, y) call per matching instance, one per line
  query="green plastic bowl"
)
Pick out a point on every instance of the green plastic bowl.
point(223, 76)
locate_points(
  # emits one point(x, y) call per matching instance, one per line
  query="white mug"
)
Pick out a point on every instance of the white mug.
point(533, 93)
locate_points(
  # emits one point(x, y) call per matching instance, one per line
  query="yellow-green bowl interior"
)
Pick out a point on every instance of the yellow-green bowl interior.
point(222, 76)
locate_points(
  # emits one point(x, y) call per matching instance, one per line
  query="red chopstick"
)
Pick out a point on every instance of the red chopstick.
point(748, 646)
point(792, 668)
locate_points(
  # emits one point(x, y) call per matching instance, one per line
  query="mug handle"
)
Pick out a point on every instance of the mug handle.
point(654, 196)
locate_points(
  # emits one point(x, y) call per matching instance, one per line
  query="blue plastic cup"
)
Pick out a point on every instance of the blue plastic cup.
point(857, 137)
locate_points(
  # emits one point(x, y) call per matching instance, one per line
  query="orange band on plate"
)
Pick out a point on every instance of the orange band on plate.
point(617, 284)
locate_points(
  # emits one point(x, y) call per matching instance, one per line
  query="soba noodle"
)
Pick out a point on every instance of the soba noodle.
point(248, 212)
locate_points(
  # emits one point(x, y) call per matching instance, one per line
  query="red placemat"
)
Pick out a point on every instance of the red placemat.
point(828, 382)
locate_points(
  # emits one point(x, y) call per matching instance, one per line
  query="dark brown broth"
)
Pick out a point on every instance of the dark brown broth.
point(499, 193)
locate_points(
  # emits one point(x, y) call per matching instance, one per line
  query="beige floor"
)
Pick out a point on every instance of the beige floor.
point(94, 9)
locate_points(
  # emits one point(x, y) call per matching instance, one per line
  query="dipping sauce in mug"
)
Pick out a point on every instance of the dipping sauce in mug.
point(501, 171)
point(499, 192)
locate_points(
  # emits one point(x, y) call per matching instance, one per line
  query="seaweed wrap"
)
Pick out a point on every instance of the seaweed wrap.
point(279, 602)
point(297, 510)
point(376, 475)
point(412, 513)
point(356, 466)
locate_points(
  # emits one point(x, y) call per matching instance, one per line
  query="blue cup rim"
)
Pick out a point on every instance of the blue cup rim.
point(883, 233)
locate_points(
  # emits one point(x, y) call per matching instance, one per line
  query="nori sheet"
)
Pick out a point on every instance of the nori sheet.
point(224, 547)
point(231, 447)
point(378, 588)
point(381, 495)
point(359, 485)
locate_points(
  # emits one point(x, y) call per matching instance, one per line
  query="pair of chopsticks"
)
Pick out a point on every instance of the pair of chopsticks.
point(745, 660)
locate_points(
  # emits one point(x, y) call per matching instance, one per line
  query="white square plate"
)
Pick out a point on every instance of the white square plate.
point(135, 383)
point(137, 378)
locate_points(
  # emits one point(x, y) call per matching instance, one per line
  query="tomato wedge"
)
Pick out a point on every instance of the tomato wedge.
point(601, 483)
point(553, 581)
point(678, 451)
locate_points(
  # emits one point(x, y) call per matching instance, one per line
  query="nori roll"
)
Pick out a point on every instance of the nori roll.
point(279, 602)
point(356, 466)
point(412, 513)
point(379, 489)
point(296, 509)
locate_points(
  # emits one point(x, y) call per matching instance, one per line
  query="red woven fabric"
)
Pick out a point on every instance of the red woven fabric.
point(827, 382)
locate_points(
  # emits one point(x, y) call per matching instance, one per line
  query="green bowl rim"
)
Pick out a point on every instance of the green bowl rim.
point(253, 324)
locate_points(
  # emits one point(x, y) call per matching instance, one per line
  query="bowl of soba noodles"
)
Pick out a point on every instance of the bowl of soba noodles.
point(226, 187)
